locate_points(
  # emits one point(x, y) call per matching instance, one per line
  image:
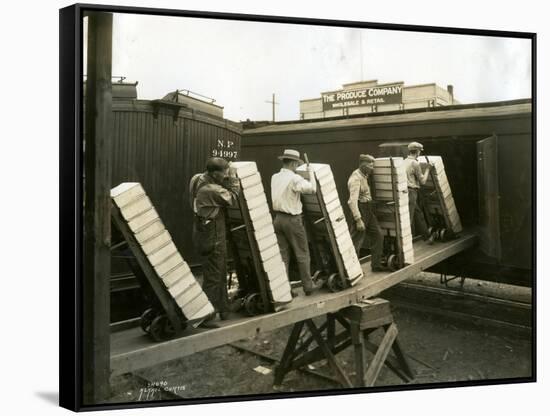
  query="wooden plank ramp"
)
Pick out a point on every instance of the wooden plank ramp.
point(132, 350)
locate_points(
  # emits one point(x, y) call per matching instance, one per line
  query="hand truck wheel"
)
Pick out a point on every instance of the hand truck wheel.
point(393, 262)
point(253, 304)
point(334, 283)
point(316, 275)
point(161, 328)
point(146, 319)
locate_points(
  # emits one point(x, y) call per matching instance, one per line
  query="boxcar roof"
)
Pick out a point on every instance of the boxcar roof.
point(471, 111)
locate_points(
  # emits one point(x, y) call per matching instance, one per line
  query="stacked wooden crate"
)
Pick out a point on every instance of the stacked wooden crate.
point(152, 243)
point(390, 188)
point(326, 203)
point(442, 203)
point(256, 217)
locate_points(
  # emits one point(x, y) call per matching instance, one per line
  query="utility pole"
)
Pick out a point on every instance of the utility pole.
point(361, 52)
point(273, 103)
point(97, 215)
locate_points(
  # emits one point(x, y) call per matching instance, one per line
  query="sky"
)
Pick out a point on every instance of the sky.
point(241, 64)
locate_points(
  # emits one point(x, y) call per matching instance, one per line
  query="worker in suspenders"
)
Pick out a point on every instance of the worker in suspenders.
point(211, 192)
point(415, 179)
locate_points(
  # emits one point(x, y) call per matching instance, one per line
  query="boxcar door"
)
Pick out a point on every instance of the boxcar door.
point(488, 188)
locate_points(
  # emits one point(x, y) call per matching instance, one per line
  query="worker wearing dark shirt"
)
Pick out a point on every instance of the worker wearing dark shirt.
point(415, 179)
point(211, 192)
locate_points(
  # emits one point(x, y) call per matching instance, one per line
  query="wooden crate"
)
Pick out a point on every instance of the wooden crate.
point(392, 211)
point(441, 202)
point(154, 246)
point(256, 217)
point(326, 203)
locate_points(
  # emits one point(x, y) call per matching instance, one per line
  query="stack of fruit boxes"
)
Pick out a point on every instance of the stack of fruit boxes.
point(155, 245)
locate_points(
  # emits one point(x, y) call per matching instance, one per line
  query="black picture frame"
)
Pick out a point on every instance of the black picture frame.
point(73, 216)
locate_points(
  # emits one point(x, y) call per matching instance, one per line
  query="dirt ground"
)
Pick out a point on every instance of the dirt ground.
point(439, 350)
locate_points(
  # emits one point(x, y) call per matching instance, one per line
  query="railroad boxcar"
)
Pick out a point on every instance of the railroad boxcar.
point(487, 149)
point(161, 144)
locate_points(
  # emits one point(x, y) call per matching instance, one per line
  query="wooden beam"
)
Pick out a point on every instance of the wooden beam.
point(380, 357)
point(97, 215)
point(286, 359)
point(391, 362)
point(340, 373)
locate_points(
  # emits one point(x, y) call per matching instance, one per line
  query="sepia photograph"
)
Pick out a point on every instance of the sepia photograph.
point(262, 207)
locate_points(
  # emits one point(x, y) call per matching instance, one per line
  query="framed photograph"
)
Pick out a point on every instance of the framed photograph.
point(258, 207)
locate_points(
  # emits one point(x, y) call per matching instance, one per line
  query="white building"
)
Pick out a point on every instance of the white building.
point(369, 96)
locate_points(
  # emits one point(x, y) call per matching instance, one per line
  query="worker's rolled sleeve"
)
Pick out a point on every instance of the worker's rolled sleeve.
point(229, 193)
point(354, 186)
point(301, 185)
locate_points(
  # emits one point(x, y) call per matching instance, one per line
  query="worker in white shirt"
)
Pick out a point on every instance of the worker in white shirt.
point(286, 188)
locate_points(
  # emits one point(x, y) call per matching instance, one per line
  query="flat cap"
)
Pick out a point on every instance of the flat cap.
point(216, 164)
point(415, 146)
point(366, 158)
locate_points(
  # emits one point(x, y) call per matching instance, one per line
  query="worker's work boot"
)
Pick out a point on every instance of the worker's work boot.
point(235, 305)
point(210, 321)
point(310, 286)
point(430, 240)
point(227, 315)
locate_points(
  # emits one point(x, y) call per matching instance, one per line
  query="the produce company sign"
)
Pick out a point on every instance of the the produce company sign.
point(384, 94)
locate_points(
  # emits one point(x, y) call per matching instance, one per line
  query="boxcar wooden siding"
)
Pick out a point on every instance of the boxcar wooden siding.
point(449, 132)
point(162, 152)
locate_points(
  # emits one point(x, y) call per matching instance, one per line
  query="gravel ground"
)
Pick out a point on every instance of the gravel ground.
point(441, 350)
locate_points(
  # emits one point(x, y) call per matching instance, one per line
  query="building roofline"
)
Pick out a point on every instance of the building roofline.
point(360, 82)
point(372, 117)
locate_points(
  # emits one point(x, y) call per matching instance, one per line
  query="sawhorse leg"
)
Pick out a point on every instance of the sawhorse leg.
point(296, 356)
point(358, 322)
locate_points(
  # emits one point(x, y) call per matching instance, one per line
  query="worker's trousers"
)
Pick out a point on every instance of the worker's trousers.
point(372, 233)
point(418, 223)
point(292, 238)
point(214, 263)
